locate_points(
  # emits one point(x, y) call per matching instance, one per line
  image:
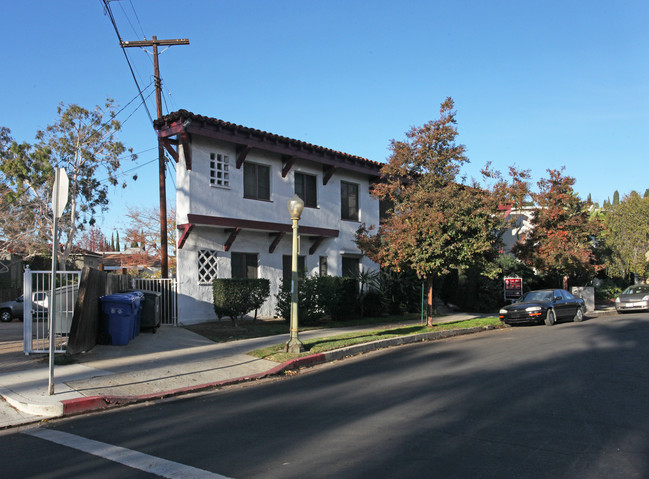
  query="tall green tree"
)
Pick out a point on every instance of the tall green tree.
point(435, 222)
point(561, 241)
point(83, 142)
point(626, 234)
point(23, 212)
point(616, 198)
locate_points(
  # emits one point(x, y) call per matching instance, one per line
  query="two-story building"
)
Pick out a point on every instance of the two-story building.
point(233, 187)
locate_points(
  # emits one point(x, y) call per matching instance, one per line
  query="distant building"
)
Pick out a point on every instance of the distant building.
point(522, 224)
point(233, 185)
point(133, 260)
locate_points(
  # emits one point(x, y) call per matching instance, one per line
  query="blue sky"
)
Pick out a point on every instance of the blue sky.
point(536, 84)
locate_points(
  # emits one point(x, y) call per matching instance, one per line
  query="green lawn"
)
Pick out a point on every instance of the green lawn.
point(224, 331)
point(319, 345)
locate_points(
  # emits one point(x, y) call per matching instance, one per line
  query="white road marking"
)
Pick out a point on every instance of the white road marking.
point(127, 457)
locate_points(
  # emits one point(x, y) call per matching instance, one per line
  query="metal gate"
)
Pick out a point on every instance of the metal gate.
point(169, 304)
point(37, 290)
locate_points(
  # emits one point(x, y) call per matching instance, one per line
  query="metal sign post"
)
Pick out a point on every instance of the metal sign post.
point(59, 200)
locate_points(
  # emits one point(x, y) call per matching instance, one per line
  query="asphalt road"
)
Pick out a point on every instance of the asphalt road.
point(567, 401)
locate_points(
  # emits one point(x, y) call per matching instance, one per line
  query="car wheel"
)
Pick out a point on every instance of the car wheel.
point(5, 316)
point(550, 318)
point(579, 316)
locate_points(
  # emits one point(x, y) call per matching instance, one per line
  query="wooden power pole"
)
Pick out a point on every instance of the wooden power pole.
point(154, 42)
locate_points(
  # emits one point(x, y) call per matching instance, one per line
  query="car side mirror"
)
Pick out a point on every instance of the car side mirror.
point(19, 299)
point(558, 298)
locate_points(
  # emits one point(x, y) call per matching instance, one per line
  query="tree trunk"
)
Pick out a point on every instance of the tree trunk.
point(565, 283)
point(430, 304)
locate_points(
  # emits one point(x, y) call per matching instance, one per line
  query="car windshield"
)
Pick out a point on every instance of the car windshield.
point(637, 289)
point(536, 296)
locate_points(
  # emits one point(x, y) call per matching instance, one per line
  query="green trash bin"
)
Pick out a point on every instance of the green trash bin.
point(151, 310)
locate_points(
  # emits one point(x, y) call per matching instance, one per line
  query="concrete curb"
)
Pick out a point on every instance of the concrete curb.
point(71, 407)
point(44, 410)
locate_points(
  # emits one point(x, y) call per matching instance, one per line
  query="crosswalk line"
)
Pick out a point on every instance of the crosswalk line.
point(127, 457)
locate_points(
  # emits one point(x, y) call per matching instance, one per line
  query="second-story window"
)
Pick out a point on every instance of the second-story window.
point(219, 170)
point(256, 181)
point(348, 201)
point(305, 188)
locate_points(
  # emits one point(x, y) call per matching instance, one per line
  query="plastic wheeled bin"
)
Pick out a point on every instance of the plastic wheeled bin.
point(119, 312)
point(151, 316)
point(139, 295)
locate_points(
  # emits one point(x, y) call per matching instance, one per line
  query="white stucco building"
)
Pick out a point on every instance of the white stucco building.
point(522, 224)
point(233, 185)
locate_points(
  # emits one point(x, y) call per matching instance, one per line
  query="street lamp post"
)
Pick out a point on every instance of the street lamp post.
point(295, 207)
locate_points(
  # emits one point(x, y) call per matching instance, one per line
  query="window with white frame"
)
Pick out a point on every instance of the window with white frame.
point(256, 181)
point(219, 170)
point(348, 201)
point(305, 188)
point(206, 266)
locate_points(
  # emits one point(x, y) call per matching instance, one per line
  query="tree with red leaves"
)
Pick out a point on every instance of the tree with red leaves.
point(561, 240)
point(435, 222)
point(93, 240)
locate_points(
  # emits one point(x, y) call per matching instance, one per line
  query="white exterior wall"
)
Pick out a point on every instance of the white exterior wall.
point(195, 195)
point(521, 227)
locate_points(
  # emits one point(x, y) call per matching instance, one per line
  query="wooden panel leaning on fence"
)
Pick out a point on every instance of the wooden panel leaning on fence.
point(87, 312)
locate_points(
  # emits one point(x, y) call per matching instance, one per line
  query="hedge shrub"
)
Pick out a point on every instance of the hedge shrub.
point(236, 297)
point(320, 296)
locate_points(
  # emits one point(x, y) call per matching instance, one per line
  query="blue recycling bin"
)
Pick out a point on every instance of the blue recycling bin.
point(119, 313)
point(139, 301)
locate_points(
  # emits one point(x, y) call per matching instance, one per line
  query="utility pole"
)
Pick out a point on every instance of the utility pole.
point(154, 42)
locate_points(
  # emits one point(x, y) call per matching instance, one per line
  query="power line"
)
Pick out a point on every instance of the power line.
point(112, 20)
point(137, 18)
point(125, 172)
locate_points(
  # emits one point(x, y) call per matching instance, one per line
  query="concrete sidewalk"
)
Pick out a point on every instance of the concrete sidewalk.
point(170, 362)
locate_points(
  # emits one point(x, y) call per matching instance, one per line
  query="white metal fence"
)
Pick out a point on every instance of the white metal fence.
point(37, 290)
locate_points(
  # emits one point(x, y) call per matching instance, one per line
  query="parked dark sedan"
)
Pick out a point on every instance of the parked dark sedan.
point(544, 306)
point(634, 298)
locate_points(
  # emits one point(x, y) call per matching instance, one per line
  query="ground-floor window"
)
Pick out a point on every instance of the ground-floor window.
point(244, 265)
point(322, 266)
point(351, 267)
point(206, 266)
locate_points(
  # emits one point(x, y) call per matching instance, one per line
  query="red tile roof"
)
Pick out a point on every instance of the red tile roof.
point(189, 118)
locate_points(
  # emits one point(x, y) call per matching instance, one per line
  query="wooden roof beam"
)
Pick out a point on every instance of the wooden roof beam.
point(287, 164)
point(327, 173)
point(242, 153)
point(317, 241)
point(277, 238)
point(233, 236)
point(186, 229)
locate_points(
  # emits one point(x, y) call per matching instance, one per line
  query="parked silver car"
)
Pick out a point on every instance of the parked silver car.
point(10, 310)
point(634, 298)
